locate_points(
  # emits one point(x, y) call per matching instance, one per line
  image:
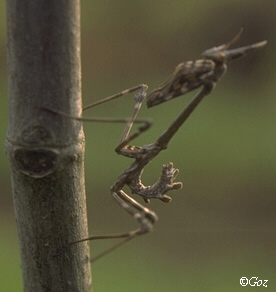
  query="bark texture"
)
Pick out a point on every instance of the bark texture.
point(46, 150)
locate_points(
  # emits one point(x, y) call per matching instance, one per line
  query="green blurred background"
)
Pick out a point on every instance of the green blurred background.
point(221, 225)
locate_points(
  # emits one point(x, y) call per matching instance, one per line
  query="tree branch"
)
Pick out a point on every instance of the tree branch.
point(46, 151)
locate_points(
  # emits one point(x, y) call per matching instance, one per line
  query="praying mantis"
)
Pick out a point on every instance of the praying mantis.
point(188, 76)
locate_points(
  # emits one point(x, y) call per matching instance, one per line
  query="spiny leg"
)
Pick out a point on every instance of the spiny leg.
point(125, 139)
point(139, 97)
point(114, 96)
point(126, 202)
point(146, 220)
